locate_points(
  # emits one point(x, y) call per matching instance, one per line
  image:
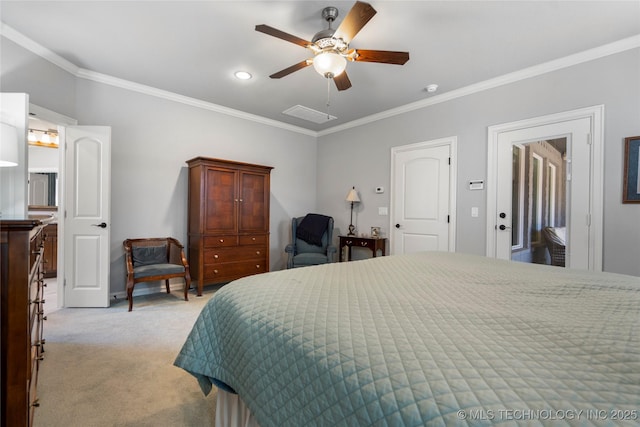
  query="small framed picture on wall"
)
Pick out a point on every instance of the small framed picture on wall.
point(631, 188)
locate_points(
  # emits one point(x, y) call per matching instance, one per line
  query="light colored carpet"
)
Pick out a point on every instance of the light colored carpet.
point(109, 367)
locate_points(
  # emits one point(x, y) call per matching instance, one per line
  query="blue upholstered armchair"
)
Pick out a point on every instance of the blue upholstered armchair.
point(302, 252)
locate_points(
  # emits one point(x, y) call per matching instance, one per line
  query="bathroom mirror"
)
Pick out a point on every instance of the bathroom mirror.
point(43, 177)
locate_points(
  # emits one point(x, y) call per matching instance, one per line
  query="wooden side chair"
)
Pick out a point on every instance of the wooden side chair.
point(152, 259)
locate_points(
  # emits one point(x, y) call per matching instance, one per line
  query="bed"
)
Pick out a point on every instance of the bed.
point(430, 338)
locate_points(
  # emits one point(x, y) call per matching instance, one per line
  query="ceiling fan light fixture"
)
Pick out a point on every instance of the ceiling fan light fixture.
point(329, 64)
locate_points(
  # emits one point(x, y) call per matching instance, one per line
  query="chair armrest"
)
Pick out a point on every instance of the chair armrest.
point(176, 253)
point(290, 248)
point(331, 251)
point(128, 260)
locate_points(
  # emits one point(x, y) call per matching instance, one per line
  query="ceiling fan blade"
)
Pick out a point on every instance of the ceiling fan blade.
point(383, 56)
point(342, 81)
point(282, 35)
point(289, 70)
point(355, 20)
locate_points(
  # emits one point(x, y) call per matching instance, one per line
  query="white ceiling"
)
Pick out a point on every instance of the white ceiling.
point(192, 48)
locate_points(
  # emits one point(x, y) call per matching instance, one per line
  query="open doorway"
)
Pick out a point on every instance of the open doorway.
point(43, 196)
point(539, 202)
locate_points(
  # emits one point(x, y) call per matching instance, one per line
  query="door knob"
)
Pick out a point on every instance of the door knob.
point(503, 227)
point(101, 225)
point(397, 225)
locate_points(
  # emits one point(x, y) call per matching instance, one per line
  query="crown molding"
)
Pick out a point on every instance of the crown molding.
point(526, 73)
point(22, 40)
point(194, 102)
point(537, 70)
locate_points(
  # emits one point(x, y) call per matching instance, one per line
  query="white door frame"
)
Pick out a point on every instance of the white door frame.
point(452, 142)
point(62, 121)
point(596, 202)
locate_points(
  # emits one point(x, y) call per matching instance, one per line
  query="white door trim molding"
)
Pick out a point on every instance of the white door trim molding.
point(452, 142)
point(596, 203)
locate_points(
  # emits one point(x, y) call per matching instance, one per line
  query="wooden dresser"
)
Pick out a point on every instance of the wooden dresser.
point(21, 313)
point(228, 220)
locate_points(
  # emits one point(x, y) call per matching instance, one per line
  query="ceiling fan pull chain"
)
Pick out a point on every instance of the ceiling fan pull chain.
point(328, 95)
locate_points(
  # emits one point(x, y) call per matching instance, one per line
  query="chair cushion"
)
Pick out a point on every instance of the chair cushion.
point(309, 259)
point(156, 269)
point(302, 246)
point(148, 255)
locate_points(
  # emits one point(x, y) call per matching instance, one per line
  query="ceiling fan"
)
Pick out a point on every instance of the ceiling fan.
point(331, 47)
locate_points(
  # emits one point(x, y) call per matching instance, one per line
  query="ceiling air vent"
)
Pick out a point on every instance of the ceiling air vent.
point(306, 113)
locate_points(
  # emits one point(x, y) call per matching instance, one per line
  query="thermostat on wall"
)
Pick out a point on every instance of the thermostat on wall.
point(476, 185)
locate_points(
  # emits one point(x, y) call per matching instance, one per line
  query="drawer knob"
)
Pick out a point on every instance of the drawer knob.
point(363, 243)
point(257, 265)
point(253, 238)
point(348, 242)
point(215, 271)
point(215, 256)
point(257, 252)
point(221, 240)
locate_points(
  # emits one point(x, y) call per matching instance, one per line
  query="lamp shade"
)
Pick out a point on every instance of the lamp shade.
point(353, 196)
point(329, 64)
point(8, 146)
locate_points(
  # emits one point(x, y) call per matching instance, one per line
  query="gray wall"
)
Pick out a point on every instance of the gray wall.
point(152, 138)
point(361, 156)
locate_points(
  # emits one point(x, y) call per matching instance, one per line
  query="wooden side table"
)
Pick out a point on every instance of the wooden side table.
point(373, 243)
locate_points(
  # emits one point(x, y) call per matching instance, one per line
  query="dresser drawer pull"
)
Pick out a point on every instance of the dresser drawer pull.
point(253, 238)
point(257, 252)
point(257, 265)
point(221, 240)
point(215, 256)
point(36, 301)
point(35, 403)
point(349, 242)
point(364, 243)
point(40, 358)
point(215, 271)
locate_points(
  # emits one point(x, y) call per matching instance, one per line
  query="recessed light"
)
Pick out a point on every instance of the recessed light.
point(432, 88)
point(242, 75)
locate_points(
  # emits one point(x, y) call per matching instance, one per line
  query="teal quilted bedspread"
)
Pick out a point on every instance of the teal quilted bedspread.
point(434, 339)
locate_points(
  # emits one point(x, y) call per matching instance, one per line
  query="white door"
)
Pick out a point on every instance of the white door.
point(582, 188)
point(87, 216)
point(422, 214)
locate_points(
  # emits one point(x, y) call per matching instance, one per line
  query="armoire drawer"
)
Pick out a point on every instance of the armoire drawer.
point(220, 241)
point(233, 270)
point(258, 239)
point(233, 254)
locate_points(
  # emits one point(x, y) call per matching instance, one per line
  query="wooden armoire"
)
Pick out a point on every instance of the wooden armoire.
point(228, 220)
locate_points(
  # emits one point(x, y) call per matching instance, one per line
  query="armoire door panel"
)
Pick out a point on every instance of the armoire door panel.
point(254, 205)
point(221, 201)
